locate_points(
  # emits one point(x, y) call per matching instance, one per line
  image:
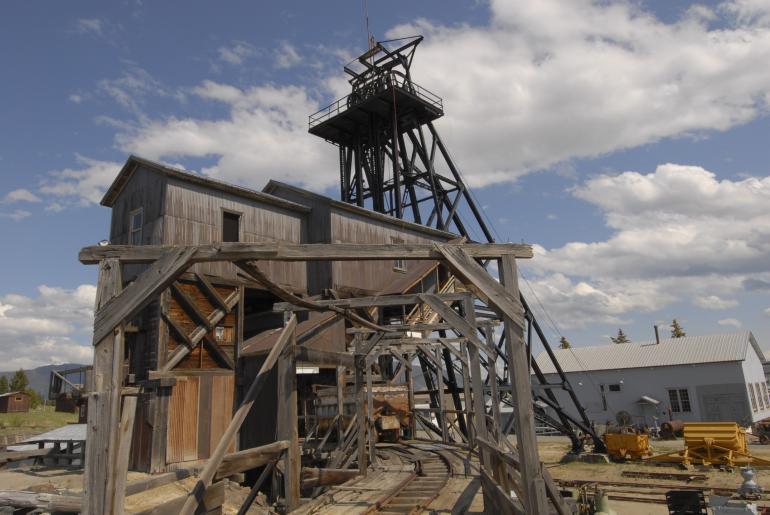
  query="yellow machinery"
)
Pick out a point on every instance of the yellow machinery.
point(623, 446)
point(713, 443)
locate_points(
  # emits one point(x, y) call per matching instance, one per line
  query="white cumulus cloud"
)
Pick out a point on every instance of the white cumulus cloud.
point(734, 322)
point(678, 233)
point(52, 327)
point(20, 195)
point(80, 186)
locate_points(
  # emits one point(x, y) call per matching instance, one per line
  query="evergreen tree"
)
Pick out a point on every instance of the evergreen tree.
point(19, 381)
point(620, 338)
point(676, 330)
point(564, 343)
point(4, 385)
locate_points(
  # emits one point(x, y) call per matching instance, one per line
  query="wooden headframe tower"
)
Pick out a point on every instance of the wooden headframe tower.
point(392, 160)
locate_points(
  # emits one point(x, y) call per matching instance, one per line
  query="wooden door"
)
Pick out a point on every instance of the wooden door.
point(182, 439)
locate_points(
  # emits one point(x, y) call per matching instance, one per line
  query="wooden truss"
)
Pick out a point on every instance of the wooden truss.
point(503, 466)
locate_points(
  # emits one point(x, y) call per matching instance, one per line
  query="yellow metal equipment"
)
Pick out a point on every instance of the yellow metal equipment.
point(713, 443)
point(627, 445)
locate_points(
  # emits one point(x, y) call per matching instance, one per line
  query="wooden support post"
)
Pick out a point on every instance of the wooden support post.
point(104, 403)
point(360, 415)
point(126, 432)
point(440, 385)
point(287, 423)
point(370, 412)
point(340, 405)
point(410, 390)
point(479, 409)
point(535, 501)
point(467, 401)
point(207, 475)
point(492, 368)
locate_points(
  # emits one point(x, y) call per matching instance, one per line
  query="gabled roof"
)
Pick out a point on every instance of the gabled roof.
point(688, 350)
point(274, 186)
point(133, 162)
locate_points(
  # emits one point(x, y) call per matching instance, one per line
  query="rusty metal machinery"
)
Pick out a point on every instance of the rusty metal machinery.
point(713, 443)
point(627, 445)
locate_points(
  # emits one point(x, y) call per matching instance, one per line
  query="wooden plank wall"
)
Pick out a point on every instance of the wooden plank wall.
point(368, 277)
point(193, 215)
point(200, 357)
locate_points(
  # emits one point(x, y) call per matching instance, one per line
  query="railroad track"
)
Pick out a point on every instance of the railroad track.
point(417, 491)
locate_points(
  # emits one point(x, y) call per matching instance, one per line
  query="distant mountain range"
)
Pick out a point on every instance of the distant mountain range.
point(40, 376)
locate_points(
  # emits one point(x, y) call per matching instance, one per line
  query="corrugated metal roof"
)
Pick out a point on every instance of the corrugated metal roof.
point(711, 348)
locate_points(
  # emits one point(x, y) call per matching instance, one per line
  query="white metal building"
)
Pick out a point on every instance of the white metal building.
point(716, 377)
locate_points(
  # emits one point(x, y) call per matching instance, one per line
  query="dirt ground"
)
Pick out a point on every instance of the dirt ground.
point(552, 449)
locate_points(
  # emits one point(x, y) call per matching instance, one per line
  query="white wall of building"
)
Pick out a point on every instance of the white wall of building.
point(716, 392)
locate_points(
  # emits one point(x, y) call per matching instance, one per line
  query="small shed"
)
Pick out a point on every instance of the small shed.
point(14, 402)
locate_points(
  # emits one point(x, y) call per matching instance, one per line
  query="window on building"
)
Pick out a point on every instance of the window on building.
point(760, 397)
point(679, 398)
point(231, 224)
point(765, 394)
point(614, 387)
point(219, 333)
point(753, 398)
point(604, 398)
point(135, 223)
point(398, 264)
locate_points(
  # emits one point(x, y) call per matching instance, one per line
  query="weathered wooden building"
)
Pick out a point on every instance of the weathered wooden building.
point(191, 347)
point(14, 402)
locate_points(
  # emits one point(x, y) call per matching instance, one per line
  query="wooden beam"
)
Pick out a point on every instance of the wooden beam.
point(142, 291)
point(287, 422)
point(280, 251)
point(458, 323)
point(104, 401)
point(124, 446)
point(501, 501)
point(312, 477)
point(526, 438)
point(189, 305)
point(482, 284)
point(35, 500)
point(369, 302)
point(249, 459)
point(211, 292)
point(207, 475)
point(324, 357)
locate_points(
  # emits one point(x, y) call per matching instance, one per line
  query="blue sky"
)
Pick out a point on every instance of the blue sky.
point(627, 140)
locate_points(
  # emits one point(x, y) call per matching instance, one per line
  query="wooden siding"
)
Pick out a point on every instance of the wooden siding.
point(200, 410)
point(182, 441)
point(16, 402)
point(193, 215)
point(200, 357)
point(369, 276)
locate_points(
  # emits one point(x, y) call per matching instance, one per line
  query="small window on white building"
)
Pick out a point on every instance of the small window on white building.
point(760, 397)
point(135, 223)
point(765, 394)
point(679, 398)
point(753, 398)
point(614, 387)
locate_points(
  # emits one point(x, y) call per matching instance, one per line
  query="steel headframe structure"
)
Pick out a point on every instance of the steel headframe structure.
point(393, 161)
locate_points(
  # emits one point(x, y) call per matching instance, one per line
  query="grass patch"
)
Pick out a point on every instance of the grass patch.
point(38, 420)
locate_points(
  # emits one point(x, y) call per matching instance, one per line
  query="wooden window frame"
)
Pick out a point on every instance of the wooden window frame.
point(678, 401)
point(131, 231)
point(239, 214)
point(399, 265)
